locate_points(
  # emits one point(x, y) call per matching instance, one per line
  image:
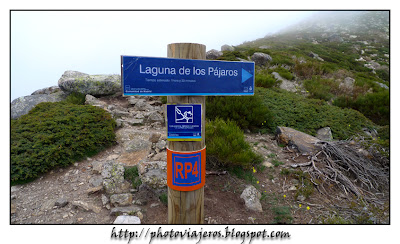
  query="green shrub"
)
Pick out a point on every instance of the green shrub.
point(76, 98)
point(232, 55)
point(225, 142)
point(309, 115)
point(164, 199)
point(247, 111)
point(318, 88)
point(285, 73)
point(132, 175)
point(57, 134)
point(375, 106)
point(265, 80)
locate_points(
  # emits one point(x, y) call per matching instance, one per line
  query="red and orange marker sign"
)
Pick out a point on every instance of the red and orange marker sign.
point(186, 171)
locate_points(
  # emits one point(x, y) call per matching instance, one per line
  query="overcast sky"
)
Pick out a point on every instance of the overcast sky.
point(44, 44)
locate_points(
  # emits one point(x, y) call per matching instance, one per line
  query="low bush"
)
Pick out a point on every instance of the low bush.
point(375, 106)
point(57, 134)
point(76, 98)
point(284, 73)
point(263, 79)
point(319, 88)
point(247, 111)
point(225, 142)
point(309, 115)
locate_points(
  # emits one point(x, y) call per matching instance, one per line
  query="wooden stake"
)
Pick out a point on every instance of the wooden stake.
point(187, 207)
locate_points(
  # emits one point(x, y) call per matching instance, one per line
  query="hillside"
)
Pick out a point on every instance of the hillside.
point(341, 57)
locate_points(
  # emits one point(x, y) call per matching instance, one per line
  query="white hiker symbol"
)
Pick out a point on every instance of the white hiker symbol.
point(186, 116)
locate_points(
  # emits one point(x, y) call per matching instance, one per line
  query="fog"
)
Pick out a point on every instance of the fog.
point(44, 44)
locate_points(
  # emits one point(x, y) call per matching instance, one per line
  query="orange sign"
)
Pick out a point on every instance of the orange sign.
point(186, 171)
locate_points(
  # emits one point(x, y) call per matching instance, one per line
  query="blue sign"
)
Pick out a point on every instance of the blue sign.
point(184, 122)
point(185, 77)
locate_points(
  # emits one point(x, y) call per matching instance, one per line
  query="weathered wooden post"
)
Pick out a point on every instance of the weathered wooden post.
point(186, 78)
point(187, 207)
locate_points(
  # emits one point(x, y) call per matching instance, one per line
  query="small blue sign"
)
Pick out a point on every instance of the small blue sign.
point(186, 169)
point(185, 77)
point(184, 122)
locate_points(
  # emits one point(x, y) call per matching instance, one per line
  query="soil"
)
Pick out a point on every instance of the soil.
point(34, 202)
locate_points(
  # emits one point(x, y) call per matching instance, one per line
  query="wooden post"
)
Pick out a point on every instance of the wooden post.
point(187, 207)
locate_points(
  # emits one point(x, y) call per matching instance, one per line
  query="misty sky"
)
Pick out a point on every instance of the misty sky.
point(44, 44)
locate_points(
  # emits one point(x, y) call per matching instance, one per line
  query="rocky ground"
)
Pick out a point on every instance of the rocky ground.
point(78, 194)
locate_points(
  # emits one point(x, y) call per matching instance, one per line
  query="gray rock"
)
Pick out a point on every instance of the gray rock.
point(325, 134)
point(264, 47)
point(213, 54)
point(120, 113)
point(86, 206)
point(47, 90)
point(347, 84)
point(160, 156)
point(61, 202)
point(153, 174)
point(127, 220)
point(91, 100)
point(96, 85)
point(135, 122)
point(154, 137)
point(161, 145)
point(131, 210)
point(23, 105)
point(137, 144)
point(261, 58)
point(96, 181)
point(285, 84)
point(142, 105)
point(382, 85)
point(97, 167)
point(94, 189)
point(104, 199)
point(227, 48)
point(155, 117)
point(251, 198)
point(114, 182)
point(120, 200)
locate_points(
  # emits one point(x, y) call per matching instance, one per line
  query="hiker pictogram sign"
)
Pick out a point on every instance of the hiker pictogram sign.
point(184, 122)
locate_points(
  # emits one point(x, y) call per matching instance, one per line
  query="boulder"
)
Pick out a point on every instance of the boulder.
point(154, 175)
point(261, 58)
point(114, 182)
point(91, 100)
point(155, 117)
point(124, 210)
point(96, 85)
point(325, 134)
point(23, 105)
point(303, 142)
point(213, 54)
point(137, 144)
point(227, 48)
point(86, 206)
point(124, 199)
point(47, 90)
point(347, 85)
point(142, 105)
point(127, 220)
point(251, 198)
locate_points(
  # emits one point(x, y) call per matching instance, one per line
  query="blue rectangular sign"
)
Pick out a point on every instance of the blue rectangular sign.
point(184, 122)
point(185, 77)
